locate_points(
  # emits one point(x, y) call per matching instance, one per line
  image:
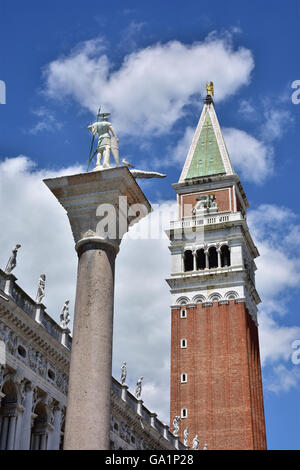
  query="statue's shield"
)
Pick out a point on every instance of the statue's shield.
point(115, 149)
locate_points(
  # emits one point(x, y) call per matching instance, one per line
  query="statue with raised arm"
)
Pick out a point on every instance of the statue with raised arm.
point(123, 373)
point(12, 262)
point(106, 142)
point(65, 315)
point(41, 289)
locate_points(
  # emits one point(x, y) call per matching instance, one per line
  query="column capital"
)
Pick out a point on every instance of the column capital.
point(89, 198)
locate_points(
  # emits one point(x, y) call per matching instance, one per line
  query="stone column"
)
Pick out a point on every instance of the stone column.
point(57, 428)
point(5, 423)
point(219, 257)
point(85, 197)
point(11, 433)
point(43, 442)
point(194, 260)
point(206, 259)
point(90, 371)
point(25, 433)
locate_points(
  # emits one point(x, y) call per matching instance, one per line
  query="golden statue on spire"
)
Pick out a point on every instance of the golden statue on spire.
point(210, 88)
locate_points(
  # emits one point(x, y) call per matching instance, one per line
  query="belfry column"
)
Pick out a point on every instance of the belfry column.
point(94, 201)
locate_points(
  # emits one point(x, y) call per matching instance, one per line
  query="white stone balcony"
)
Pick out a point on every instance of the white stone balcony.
point(207, 219)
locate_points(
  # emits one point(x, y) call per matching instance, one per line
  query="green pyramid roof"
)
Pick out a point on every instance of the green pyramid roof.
point(207, 159)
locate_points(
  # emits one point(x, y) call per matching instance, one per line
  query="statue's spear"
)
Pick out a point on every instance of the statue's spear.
point(92, 144)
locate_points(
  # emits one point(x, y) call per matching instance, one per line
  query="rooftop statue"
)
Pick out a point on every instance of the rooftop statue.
point(41, 289)
point(123, 373)
point(138, 389)
point(65, 315)
point(12, 262)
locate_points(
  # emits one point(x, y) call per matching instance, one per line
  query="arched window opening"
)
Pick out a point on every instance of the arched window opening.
point(183, 313)
point(183, 378)
point(200, 259)
point(225, 256)
point(183, 343)
point(51, 374)
point(39, 435)
point(22, 351)
point(8, 416)
point(212, 257)
point(184, 412)
point(188, 260)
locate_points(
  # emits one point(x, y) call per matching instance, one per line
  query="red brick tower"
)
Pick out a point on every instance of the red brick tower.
point(216, 385)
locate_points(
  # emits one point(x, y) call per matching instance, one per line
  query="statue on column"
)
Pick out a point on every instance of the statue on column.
point(65, 315)
point(12, 262)
point(138, 389)
point(41, 289)
point(109, 142)
point(106, 142)
point(176, 425)
point(123, 373)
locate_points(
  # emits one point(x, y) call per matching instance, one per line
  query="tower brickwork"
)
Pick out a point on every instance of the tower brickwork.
point(216, 385)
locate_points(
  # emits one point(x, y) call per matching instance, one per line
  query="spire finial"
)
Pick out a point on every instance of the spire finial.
point(209, 93)
point(210, 88)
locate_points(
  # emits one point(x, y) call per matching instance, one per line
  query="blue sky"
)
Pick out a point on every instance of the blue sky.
point(147, 63)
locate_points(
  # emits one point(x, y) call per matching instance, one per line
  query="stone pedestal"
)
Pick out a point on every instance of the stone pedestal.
point(89, 199)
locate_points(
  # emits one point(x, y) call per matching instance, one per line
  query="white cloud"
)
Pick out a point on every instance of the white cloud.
point(250, 156)
point(32, 217)
point(277, 121)
point(179, 153)
point(278, 276)
point(275, 339)
point(46, 121)
point(248, 110)
point(283, 379)
point(148, 91)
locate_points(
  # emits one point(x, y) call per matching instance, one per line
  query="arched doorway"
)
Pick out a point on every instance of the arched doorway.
point(39, 432)
point(8, 416)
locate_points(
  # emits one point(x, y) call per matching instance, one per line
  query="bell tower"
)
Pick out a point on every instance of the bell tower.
point(216, 385)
